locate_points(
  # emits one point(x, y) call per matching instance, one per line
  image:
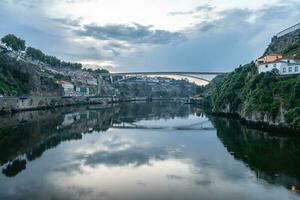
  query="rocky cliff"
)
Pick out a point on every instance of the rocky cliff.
point(287, 44)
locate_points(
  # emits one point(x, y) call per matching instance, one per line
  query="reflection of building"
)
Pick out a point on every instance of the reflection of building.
point(70, 118)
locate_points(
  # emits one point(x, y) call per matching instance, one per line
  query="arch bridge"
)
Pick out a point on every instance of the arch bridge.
point(203, 76)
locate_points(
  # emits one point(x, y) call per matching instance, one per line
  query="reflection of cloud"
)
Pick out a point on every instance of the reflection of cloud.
point(141, 183)
point(132, 156)
point(174, 177)
point(202, 182)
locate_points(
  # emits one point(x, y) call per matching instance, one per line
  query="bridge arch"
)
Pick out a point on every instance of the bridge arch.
point(182, 74)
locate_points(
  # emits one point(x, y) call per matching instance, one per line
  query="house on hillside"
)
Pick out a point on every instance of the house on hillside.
point(269, 58)
point(81, 90)
point(68, 88)
point(284, 66)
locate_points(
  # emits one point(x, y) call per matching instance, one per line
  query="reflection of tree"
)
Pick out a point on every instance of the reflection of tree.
point(133, 112)
point(33, 133)
point(38, 134)
point(273, 158)
point(13, 168)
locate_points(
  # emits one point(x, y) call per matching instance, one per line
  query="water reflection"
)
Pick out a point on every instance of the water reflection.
point(162, 150)
point(274, 158)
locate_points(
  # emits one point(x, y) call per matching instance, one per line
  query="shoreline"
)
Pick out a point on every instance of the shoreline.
point(258, 125)
point(11, 105)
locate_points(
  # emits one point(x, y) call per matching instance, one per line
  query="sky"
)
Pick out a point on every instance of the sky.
point(150, 35)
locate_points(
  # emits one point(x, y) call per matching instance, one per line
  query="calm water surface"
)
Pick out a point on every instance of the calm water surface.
point(161, 150)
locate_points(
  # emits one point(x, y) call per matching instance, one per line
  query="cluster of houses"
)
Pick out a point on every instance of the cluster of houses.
point(274, 61)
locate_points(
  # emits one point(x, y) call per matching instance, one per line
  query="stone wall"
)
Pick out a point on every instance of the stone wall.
point(10, 105)
point(279, 44)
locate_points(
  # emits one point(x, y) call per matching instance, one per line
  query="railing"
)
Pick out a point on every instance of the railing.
point(288, 30)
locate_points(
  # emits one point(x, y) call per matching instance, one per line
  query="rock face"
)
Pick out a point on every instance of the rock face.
point(279, 44)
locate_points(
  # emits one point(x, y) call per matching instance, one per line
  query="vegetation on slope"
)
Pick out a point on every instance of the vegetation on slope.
point(293, 51)
point(18, 78)
point(18, 44)
point(258, 96)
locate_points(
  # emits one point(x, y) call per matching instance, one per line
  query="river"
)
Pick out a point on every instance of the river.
point(144, 151)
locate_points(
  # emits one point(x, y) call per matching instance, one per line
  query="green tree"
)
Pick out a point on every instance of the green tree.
point(14, 42)
point(35, 54)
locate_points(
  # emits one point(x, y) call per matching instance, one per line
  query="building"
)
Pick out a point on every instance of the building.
point(81, 90)
point(284, 67)
point(273, 57)
point(68, 88)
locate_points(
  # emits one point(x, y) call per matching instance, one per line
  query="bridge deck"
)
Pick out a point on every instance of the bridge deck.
point(165, 73)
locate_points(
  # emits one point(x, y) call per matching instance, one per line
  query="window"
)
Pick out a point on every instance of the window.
point(284, 70)
point(266, 66)
point(296, 69)
point(290, 69)
point(274, 65)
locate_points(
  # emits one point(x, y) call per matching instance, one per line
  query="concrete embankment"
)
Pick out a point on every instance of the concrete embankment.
point(17, 104)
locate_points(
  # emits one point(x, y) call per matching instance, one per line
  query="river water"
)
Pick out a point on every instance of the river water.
point(159, 150)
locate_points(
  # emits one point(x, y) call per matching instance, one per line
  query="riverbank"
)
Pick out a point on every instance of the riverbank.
point(18, 104)
point(258, 125)
point(11, 105)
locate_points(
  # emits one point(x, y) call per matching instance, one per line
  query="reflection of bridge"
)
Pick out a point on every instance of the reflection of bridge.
point(203, 125)
point(203, 76)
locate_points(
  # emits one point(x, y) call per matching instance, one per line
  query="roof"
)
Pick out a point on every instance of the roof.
point(284, 60)
point(271, 54)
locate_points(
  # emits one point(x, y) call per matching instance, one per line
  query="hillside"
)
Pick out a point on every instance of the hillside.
point(26, 71)
point(264, 97)
point(18, 78)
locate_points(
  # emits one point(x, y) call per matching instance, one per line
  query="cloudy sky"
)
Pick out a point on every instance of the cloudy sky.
point(150, 35)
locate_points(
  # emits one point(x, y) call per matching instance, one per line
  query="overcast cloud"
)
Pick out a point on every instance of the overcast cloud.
point(190, 35)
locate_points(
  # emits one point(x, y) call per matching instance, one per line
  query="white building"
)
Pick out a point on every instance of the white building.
point(68, 88)
point(284, 67)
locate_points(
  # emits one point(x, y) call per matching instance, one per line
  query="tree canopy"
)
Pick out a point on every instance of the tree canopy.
point(17, 44)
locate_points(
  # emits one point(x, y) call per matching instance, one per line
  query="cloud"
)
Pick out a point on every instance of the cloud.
point(200, 9)
point(134, 33)
point(216, 39)
point(68, 22)
point(236, 37)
